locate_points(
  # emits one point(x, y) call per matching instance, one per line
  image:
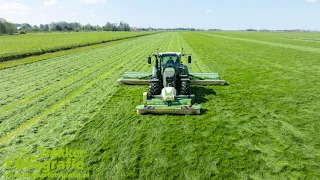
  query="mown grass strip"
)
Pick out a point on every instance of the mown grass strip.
point(55, 88)
point(297, 39)
point(169, 45)
point(86, 71)
point(70, 118)
point(57, 62)
point(282, 45)
point(53, 96)
point(60, 103)
point(31, 89)
point(64, 64)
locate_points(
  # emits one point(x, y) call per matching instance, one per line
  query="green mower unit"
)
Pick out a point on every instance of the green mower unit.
point(169, 85)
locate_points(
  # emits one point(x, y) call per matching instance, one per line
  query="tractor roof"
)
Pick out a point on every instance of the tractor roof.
point(168, 53)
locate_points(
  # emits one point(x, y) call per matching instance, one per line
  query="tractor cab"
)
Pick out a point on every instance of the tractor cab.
point(170, 63)
point(170, 60)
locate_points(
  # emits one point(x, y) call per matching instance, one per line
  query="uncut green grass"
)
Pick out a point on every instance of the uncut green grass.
point(263, 126)
point(307, 39)
point(34, 42)
point(32, 59)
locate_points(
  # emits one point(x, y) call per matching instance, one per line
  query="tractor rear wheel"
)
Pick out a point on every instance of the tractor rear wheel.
point(185, 88)
point(154, 88)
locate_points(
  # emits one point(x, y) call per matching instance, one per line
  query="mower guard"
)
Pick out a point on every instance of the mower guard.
point(181, 105)
point(163, 109)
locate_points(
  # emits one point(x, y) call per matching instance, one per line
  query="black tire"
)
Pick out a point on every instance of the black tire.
point(185, 88)
point(178, 87)
point(154, 88)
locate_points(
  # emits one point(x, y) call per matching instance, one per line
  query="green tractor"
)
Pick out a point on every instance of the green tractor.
point(169, 85)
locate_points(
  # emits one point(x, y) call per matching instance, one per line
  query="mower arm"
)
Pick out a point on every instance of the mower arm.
point(135, 78)
point(211, 79)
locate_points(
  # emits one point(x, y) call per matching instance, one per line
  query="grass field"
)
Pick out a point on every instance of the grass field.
point(265, 125)
point(32, 59)
point(18, 46)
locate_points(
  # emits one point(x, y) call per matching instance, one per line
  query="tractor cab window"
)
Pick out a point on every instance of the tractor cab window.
point(170, 59)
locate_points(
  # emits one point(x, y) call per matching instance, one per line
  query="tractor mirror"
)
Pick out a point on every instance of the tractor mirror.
point(149, 60)
point(189, 59)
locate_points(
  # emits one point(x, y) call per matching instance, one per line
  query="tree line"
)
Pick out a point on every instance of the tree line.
point(10, 28)
point(7, 27)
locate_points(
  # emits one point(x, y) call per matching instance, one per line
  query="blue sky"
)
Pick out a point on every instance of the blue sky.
point(223, 14)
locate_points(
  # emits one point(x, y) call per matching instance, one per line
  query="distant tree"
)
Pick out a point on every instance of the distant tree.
point(7, 27)
point(63, 26)
point(114, 27)
point(58, 28)
point(126, 27)
point(75, 26)
point(77, 29)
point(121, 26)
point(87, 27)
point(98, 28)
point(214, 30)
point(10, 28)
point(26, 26)
point(35, 28)
point(55, 26)
point(107, 27)
point(251, 30)
point(46, 27)
point(52, 26)
point(3, 29)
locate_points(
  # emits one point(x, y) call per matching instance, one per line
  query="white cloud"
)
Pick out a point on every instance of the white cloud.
point(93, 1)
point(62, 7)
point(13, 7)
point(311, 1)
point(209, 11)
point(72, 13)
point(50, 2)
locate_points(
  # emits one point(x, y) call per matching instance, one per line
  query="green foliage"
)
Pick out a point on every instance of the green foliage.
point(65, 26)
point(22, 32)
point(115, 27)
point(7, 28)
point(3, 28)
point(26, 26)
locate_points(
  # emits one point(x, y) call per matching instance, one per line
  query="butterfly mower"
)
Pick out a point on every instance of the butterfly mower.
point(169, 85)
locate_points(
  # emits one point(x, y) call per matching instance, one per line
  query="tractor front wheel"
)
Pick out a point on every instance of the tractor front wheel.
point(154, 88)
point(185, 88)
